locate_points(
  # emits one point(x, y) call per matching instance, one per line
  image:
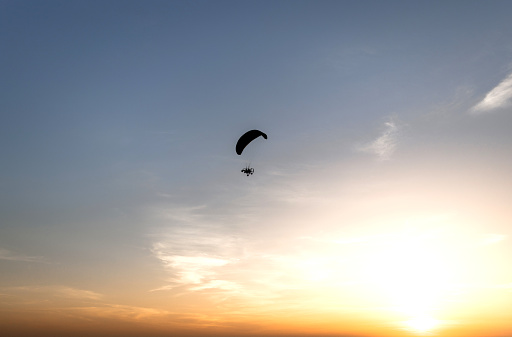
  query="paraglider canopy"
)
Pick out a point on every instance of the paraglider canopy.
point(246, 138)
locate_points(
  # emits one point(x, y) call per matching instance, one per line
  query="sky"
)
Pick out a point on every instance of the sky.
point(379, 205)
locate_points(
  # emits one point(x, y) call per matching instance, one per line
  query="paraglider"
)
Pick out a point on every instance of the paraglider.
point(243, 141)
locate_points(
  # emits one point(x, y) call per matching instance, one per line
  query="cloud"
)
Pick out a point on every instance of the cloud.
point(459, 101)
point(68, 292)
point(74, 307)
point(46, 294)
point(499, 97)
point(202, 255)
point(184, 214)
point(188, 269)
point(194, 248)
point(6, 254)
point(385, 145)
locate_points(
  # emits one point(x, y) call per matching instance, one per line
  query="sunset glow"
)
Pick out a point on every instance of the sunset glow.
point(255, 168)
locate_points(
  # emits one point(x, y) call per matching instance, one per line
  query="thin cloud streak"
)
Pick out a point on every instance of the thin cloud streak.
point(499, 97)
point(90, 306)
point(8, 255)
point(63, 292)
point(385, 145)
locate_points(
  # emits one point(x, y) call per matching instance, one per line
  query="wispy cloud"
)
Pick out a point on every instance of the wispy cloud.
point(499, 97)
point(78, 305)
point(193, 249)
point(52, 292)
point(6, 254)
point(385, 145)
point(459, 101)
point(73, 293)
point(216, 259)
point(188, 269)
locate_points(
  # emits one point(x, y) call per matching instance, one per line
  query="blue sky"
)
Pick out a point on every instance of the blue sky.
point(388, 123)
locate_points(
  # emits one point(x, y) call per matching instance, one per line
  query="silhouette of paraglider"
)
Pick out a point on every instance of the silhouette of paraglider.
point(243, 141)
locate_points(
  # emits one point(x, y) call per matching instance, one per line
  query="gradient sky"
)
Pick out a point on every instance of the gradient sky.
point(381, 200)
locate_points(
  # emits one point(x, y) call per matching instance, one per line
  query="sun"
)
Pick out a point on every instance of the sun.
point(413, 274)
point(414, 278)
point(421, 324)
